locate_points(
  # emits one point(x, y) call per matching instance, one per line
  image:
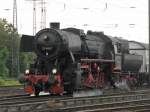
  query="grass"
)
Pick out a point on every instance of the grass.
point(9, 82)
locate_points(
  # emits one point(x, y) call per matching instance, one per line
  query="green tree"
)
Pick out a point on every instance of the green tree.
point(3, 57)
point(10, 63)
point(25, 60)
point(9, 42)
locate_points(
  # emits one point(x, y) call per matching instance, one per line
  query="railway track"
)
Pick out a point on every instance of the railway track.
point(11, 86)
point(106, 104)
point(65, 103)
point(128, 106)
point(22, 99)
point(11, 90)
point(28, 103)
point(26, 96)
point(18, 90)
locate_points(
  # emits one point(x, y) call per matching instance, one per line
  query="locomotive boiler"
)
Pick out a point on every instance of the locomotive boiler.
point(69, 60)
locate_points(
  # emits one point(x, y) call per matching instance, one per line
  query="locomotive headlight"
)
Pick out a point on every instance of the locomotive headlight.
point(46, 38)
point(54, 71)
point(27, 71)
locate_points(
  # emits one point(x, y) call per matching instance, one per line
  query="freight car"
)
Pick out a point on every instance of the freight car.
point(143, 50)
point(69, 60)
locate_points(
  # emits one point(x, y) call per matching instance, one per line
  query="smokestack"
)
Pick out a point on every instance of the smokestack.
point(55, 25)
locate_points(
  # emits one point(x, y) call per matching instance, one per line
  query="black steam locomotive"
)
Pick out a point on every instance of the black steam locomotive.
point(69, 60)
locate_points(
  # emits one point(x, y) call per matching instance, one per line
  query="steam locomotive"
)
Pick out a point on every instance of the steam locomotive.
point(69, 60)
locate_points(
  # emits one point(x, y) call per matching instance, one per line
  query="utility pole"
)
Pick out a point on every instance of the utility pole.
point(34, 15)
point(43, 14)
point(149, 36)
point(14, 48)
point(15, 14)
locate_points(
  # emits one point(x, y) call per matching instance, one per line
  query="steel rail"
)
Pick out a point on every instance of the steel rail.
point(133, 105)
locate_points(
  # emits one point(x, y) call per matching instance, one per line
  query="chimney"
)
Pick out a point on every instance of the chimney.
point(55, 25)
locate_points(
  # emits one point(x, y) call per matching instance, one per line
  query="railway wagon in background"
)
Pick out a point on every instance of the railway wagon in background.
point(143, 50)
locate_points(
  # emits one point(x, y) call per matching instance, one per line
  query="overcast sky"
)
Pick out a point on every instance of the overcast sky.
point(122, 18)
